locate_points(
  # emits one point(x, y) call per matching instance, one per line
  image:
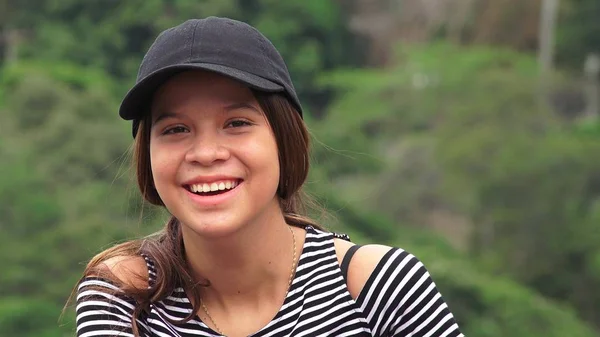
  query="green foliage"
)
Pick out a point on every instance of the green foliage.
point(113, 35)
point(313, 38)
point(65, 74)
point(50, 117)
point(489, 306)
point(17, 176)
point(22, 317)
point(109, 35)
point(475, 141)
point(485, 305)
point(62, 170)
point(578, 32)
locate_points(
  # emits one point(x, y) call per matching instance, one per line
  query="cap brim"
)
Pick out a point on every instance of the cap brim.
point(135, 103)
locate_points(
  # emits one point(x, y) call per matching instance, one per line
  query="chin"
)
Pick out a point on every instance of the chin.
point(224, 220)
point(212, 226)
point(208, 229)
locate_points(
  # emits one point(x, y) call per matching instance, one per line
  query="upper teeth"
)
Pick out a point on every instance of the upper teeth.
point(215, 186)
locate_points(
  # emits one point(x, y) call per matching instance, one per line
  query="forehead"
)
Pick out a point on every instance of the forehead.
point(200, 87)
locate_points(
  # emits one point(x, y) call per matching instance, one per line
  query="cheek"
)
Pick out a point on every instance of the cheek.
point(262, 156)
point(162, 164)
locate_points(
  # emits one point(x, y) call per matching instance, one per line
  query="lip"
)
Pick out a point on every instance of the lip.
point(209, 180)
point(213, 200)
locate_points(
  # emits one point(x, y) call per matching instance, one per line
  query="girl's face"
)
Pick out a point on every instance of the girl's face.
point(213, 154)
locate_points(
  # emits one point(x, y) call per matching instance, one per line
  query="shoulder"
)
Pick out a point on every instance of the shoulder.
point(107, 298)
point(363, 264)
point(128, 271)
point(397, 292)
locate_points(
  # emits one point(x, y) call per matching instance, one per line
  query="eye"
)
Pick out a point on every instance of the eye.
point(237, 123)
point(174, 130)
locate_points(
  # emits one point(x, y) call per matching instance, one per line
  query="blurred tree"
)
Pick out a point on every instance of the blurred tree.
point(62, 153)
point(75, 120)
point(113, 35)
point(313, 38)
point(28, 317)
point(471, 139)
point(3, 31)
point(110, 35)
point(578, 32)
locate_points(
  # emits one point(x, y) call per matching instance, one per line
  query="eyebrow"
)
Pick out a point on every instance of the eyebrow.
point(164, 115)
point(228, 108)
point(241, 105)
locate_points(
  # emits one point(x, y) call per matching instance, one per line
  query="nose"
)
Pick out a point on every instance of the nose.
point(206, 149)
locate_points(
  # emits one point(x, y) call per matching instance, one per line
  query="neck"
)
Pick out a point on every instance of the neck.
point(251, 265)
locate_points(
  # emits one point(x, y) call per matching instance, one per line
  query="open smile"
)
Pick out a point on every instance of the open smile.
point(213, 188)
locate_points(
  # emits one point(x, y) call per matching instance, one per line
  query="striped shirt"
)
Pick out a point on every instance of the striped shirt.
point(398, 299)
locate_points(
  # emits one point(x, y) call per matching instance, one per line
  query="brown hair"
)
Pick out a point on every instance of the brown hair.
point(165, 248)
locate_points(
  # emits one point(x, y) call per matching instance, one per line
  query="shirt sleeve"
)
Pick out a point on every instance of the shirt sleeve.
point(401, 299)
point(103, 310)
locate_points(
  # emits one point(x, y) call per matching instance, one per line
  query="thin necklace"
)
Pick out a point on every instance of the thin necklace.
point(289, 284)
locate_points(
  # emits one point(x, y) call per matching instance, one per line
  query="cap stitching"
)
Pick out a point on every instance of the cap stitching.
point(274, 78)
point(264, 51)
point(193, 41)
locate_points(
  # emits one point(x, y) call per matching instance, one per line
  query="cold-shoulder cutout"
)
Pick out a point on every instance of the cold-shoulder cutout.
point(395, 291)
point(361, 265)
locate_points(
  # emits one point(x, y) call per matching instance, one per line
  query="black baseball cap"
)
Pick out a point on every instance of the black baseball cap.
point(221, 45)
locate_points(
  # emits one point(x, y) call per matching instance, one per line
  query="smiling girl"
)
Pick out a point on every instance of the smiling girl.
point(221, 143)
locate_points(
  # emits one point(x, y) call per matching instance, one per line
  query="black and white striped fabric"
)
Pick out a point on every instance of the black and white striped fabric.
point(399, 299)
